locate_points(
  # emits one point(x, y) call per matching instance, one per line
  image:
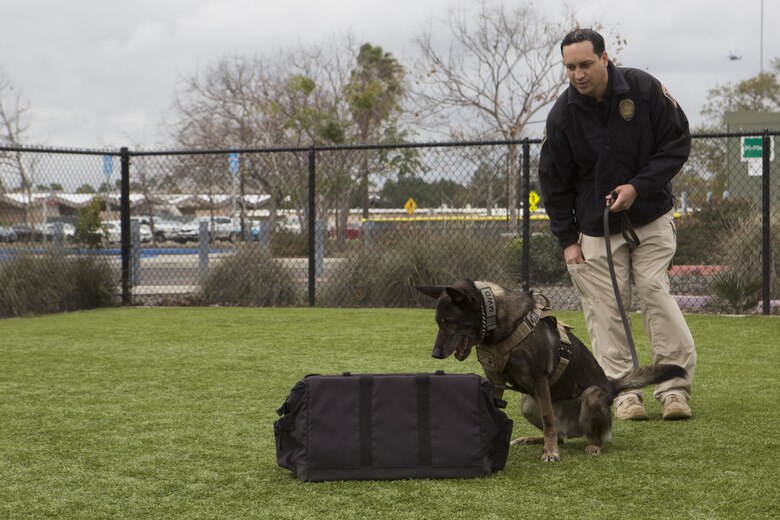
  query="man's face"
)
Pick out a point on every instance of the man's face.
point(587, 71)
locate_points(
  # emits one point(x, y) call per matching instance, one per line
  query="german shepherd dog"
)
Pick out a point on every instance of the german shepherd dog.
point(576, 404)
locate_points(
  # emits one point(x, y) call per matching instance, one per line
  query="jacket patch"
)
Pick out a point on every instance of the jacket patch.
point(668, 95)
point(627, 109)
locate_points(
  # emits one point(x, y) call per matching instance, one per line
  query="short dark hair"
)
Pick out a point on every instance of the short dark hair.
point(585, 35)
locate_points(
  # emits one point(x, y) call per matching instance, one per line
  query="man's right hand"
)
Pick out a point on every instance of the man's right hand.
point(573, 254)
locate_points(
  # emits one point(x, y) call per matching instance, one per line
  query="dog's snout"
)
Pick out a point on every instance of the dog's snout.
point(437, 353)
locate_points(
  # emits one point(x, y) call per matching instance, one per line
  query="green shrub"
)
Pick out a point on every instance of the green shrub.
point(93, 284)
point(697, 233)
point(739, 250)
point(547, 265)
point(50, 283)
point(251, 277)
point(740, 292)
point(89, 224)
point(385, 274)
point(289, 244)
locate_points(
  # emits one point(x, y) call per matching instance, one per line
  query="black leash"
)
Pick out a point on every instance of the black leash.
point(633, 241)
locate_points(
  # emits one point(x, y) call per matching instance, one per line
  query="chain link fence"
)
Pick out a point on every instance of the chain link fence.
point(361, 226)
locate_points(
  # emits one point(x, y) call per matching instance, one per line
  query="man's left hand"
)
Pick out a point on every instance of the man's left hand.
point(626, 195)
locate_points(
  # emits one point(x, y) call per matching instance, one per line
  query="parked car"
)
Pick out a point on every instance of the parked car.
point(24, 232)
point(290, 224)
point(220, 228)
point(7, 234)
point(353, 231)
point(253, 234)
point(163, 229)
point(187, 232)
point(166, 229)
point(47, 232)
point(145, 233)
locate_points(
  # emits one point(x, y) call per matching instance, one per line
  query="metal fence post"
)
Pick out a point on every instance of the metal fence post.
point(59, 238)
point(765, 222)
point(368, 234)
point(124, 223)
point(264, 235)
point(135, 240)
point(319, 248)
point(526, 160)
point(203, 249)
point(311, 228)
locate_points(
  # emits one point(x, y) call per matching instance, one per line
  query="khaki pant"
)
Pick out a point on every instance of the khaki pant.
point(647, 266)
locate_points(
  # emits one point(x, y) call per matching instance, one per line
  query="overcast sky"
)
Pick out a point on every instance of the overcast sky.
point(102, 73)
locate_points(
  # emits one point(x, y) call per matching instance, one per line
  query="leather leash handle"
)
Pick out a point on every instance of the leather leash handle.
point(613, 276)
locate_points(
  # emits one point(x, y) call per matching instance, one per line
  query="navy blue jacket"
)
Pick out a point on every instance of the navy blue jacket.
point(643, 140)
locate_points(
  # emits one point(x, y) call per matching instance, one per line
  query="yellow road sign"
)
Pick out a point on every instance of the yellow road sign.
point(410, 206)
point(533, 200)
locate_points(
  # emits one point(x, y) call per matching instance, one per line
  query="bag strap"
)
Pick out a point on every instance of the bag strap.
point(365, 419)
point(424, 419)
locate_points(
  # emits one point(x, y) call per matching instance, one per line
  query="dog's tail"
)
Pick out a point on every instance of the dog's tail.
point(641, 377)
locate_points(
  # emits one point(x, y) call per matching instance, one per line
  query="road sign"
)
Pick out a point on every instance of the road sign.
point(533, 200)
point(753, 148)
point(752, 152)
point(108, 165)
point(410, 206)
point(233, 162)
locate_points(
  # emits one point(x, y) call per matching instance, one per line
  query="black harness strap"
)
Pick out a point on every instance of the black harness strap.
point(564, 353)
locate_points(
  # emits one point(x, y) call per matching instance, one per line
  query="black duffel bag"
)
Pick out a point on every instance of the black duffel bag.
point(391, 426)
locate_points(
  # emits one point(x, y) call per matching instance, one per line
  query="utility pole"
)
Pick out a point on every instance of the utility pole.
point(762, 37)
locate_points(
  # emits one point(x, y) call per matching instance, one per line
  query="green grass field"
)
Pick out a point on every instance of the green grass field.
point(168, 413)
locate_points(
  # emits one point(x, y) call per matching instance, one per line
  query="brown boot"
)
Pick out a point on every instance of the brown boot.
point(630, 408)
point(675, 407)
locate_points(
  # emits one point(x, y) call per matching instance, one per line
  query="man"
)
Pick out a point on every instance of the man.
point(619, 131)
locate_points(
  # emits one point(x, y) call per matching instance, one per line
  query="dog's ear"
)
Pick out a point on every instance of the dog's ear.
point(434, 291)
point(459, 297)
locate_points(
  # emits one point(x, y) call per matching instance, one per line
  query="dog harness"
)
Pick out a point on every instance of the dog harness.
point(495, 357)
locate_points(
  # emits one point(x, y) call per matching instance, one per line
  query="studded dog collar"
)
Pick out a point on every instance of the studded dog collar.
point(488, 306)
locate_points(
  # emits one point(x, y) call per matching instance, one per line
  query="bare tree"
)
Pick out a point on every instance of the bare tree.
point(330, 94)
point(14, 123)
point(228, 104)
point(502, 67)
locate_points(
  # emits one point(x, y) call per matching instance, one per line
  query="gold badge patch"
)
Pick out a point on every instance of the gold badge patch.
point(627, 109)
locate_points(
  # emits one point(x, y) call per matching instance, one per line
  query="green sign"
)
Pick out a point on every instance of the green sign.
point(752, 147)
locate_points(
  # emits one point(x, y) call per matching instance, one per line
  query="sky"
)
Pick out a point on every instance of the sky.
point(103, 73)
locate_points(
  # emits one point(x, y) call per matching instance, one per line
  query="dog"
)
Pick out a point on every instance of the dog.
point(565, 392)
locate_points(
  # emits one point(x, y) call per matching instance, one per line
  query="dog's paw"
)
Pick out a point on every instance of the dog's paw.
point(592, 449)
point(553, 456)
point(525, 441)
